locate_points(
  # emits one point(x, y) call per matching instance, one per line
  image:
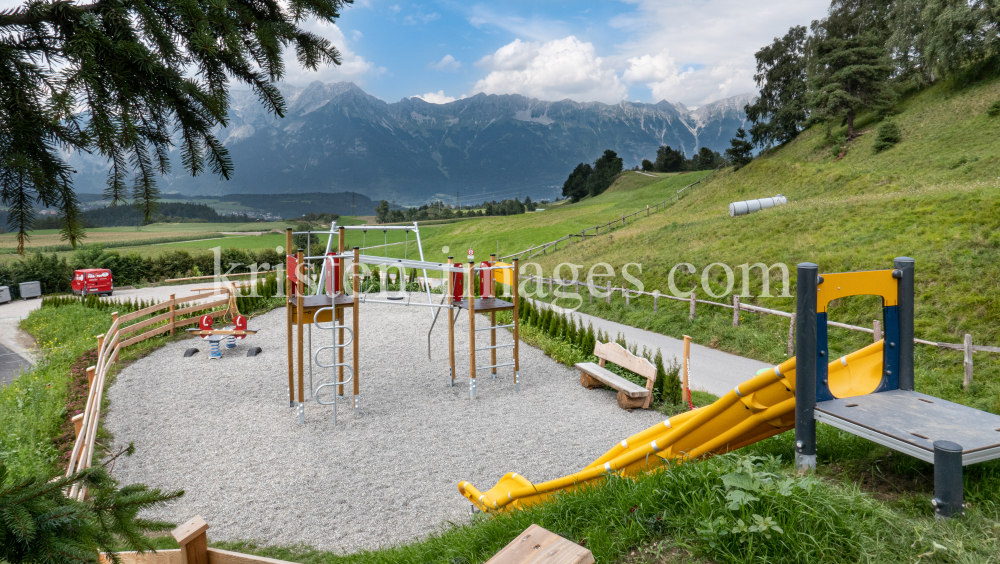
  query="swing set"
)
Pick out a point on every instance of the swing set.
point(321, 301)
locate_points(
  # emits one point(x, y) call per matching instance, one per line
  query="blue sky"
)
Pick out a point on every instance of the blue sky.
point(689, 51)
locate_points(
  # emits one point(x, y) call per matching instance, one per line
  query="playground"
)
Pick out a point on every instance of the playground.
point(223, 431)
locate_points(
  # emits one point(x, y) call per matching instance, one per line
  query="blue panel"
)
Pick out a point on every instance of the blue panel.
point(822, 361)
point(890, 352)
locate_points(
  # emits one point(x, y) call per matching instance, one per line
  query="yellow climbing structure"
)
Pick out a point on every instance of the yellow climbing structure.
point(759, 408)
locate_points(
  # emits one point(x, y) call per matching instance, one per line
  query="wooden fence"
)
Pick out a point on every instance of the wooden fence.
point(967, 347)
point(607, 227)
point(158, 319)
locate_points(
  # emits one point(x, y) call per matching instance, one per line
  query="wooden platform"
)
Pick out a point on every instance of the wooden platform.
point(486, 305)
point(910, 422)
point(538, 546)
point(312, 304)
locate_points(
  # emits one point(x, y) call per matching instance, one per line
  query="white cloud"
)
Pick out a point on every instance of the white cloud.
point(353, 66)
point(658, 72)
point(436, 97)
point(446, 64)
point(699, 51)
point(356, 35)
point(394, 8)
point(551, 70)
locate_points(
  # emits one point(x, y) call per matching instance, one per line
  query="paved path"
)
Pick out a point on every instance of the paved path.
point(712, 370)
point(17, 348)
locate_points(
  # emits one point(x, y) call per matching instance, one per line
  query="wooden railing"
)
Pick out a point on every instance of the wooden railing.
point(607, 227)
point(967, 347)
point(158, 319)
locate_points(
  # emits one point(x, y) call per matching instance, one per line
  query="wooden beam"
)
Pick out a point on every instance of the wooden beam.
point(538, 546)
point(193, 540)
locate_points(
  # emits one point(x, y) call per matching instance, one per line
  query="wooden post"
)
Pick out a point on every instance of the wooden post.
point(77, 424)
point(517, 325)
point(100, 347)
point(647, 210)
point(686, 366)
point(623, 220)
point(968, 361)
point(299, 334)
point(736, 310)
point(626, 293)
point(791, 336)
point(193, 540)
point(356, 288)
point(451, 320)
point(877, 330)
point(691, 310)
point(471, 300)
point(173, 316)
point(607, 297)
point(288, 319)
point(550, 286)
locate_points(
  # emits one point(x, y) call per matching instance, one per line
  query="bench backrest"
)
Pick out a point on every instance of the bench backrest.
point(617, 354)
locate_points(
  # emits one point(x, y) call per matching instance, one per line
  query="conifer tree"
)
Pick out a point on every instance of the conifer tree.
point(39, 524)
point(124, 79)
point(740, 152)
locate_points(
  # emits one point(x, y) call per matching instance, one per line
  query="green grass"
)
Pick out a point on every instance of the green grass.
point(914, 199)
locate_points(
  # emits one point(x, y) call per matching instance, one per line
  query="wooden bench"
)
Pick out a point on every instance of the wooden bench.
point(630, 395)
point(538, 546)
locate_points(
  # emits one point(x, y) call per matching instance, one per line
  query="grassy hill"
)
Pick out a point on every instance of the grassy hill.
point(935, 196)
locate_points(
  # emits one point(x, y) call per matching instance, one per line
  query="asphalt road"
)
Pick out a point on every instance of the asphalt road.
point(17, 348)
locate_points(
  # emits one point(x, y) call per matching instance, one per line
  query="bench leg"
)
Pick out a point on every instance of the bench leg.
point(626, 402)
point(589, 382)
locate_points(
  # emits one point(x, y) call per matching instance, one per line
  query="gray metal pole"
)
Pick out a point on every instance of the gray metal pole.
point(904, 267)
point(805, 367)
point(948, 495)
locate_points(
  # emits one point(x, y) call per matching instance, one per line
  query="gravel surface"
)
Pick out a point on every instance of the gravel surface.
point(222, 431)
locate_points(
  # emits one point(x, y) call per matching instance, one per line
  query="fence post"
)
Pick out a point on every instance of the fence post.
point(590, 291)
point(647, 210)
point(877, 330)
point(656, 298)
point(607, 297)
point(623, 220)
point(173, 316)
point(968, 361)
point(685, 370)
point(625, 292)
point(193, 541)
point(550, 287)
point(791, 336)
point(736, 310)
point(691, 312)
point(90, 376)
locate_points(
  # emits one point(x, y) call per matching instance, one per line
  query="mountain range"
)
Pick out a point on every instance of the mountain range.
point(337, 138)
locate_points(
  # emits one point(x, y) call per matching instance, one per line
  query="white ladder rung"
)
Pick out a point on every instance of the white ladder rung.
point(494, 327)
point(494, 366)
point(495, 347)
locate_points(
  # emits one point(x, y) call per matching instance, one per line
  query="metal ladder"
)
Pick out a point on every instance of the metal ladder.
point(493, 374)
point(333, 333)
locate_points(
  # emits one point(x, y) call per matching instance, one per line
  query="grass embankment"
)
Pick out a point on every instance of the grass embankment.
point(856, 213)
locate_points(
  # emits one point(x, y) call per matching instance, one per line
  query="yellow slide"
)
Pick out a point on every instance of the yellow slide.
point(759, 408)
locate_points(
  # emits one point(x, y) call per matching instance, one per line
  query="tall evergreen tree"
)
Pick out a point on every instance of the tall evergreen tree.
point(669, 160)
point(575, 186)
point(740, 153)
point(606, 169)
point(120, 77)
point(850, 75)
point(779, 111)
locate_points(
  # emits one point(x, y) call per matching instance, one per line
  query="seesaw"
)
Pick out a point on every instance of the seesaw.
point(215, 336)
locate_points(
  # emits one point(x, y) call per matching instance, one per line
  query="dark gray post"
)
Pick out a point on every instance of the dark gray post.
point(805, 366)
point(948, 499)
point(904, 267)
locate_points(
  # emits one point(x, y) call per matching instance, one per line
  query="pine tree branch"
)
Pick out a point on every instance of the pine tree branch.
point(28, 17)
